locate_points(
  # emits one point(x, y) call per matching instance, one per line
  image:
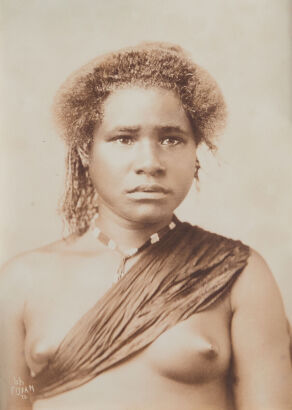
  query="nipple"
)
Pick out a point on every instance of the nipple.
point(37, 368)
point(205, 348)
point(40, 354)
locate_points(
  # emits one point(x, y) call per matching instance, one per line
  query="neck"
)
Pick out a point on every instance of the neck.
point(127, 233)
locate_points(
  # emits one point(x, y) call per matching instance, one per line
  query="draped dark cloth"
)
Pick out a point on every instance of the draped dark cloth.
point(187, 271)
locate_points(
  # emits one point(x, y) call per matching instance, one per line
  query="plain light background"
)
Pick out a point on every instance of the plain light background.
point(245, 190)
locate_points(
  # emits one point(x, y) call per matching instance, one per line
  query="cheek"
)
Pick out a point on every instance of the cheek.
point(185, 180)
point(105, 170)
point(184, 169)
point(183, 176)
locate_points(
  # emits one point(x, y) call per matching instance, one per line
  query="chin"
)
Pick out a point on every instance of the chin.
point(150, 214)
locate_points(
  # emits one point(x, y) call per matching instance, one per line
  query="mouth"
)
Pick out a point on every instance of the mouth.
point(149, 188)
point(148, 192)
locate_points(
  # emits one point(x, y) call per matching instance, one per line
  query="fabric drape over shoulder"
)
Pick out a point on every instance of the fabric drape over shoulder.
point(187, 271)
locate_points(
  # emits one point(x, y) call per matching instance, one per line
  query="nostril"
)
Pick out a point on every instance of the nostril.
point(152, 170)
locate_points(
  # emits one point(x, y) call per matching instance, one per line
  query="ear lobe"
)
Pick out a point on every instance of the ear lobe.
point(83, 156)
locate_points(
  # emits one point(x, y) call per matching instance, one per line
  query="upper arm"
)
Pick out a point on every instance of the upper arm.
point(14, 376)
point(260, 341)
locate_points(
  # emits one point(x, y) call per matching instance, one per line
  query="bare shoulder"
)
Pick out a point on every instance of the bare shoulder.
point(19, 273)
point(22, 263)
point(257, 303)
point(256, 282)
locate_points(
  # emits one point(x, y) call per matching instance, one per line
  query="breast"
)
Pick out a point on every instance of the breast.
point(38, 353)
point(192, 351)
point(43, 337)
point(196, 350)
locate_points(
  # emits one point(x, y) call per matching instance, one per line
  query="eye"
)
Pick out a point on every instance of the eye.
point(124, 139)
point(171, 141)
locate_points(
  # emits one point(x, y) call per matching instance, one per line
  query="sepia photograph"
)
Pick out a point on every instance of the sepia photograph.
point(146, 196)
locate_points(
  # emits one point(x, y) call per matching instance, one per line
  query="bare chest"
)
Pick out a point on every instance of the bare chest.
point(194, 350)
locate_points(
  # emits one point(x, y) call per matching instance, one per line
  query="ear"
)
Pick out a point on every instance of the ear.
point(83, 156)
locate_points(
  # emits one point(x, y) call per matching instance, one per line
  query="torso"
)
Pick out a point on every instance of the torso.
point(186, 367)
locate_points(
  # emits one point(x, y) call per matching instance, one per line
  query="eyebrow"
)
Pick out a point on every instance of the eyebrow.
point(127, 129)
point(171, 128)
point(165, 128)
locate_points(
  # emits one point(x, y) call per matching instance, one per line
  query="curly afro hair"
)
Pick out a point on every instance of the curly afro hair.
point(79, 102)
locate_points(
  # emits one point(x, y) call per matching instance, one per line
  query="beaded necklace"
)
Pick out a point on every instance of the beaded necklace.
point(131, 252)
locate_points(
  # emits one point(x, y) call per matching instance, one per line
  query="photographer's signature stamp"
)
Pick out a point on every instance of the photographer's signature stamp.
point(19, 389)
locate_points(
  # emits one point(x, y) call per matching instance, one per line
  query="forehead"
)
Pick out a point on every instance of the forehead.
point(136, 106)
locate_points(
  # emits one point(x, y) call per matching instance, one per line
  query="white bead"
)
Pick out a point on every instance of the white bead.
point(131, 252)
point(172, 225)
point(112, 244)
point(154, 238)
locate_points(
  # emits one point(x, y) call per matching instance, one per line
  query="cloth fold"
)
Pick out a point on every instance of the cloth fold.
point(187, 271)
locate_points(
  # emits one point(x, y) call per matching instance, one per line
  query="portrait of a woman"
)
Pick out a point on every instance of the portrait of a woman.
point(136, 310)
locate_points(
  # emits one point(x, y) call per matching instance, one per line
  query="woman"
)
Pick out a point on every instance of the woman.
point(136, 310)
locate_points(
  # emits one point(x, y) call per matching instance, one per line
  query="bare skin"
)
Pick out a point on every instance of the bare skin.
point(187, 366)
point(45, 292)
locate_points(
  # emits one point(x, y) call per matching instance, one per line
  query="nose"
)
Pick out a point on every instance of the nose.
point(148, 159)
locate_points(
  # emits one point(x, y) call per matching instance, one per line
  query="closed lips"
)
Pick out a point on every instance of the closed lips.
point(149, 188)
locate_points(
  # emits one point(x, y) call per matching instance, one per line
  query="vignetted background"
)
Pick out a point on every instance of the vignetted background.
point(245, 190)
